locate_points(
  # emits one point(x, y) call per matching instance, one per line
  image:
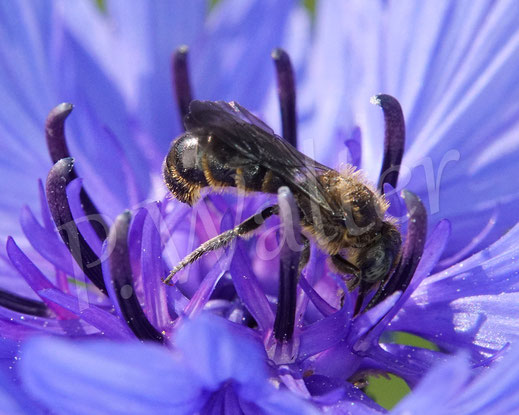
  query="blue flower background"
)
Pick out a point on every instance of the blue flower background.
point(131, 344)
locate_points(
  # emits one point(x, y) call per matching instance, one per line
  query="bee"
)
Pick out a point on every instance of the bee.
point(227, 146)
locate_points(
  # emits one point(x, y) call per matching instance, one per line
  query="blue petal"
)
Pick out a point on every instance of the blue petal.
point(442, 384)
point(450, 389)
point(285, 403)
point(103, 377)
point(219, 351)
point(13, 400)
point(108, 324)
point(454, 70)
point(41, 57)
point(472, 301)
point(133, 46)
point(155, 298)
point(27, 32)
point(232, 60)
point(250, 291)
point(493, 391)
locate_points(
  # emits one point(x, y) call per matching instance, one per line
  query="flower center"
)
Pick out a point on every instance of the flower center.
point(394, 143)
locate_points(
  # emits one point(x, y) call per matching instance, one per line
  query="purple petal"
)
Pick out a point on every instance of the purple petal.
point(203, 294)
point(336, 328)
point(107, 377)
point(108, 324)
point(131, 66)
point(218, 350)
point(354, 146)
point(14, 400)
point(249, 290)
point(443, 383)
point(281, 402)
point(410, 363)
point(450, 388)
point(492, 392)
point(320, 303)
point(368, 321)
point(235, 71)
point(474, 243)
point(30, 324)
point(34, 277)
point(119, 280)
point(472, 301)
point(153, 270)
point(135, 246)
point(45, 241)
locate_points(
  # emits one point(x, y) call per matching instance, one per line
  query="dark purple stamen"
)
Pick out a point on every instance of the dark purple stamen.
point(394, 139)
point(58, 149)
point(181, 83)
point(412, 249)
point(287, 95)
point(23, 305)
point(289, 257)
point(59, 177)
point(122, 281)
point(55, 131)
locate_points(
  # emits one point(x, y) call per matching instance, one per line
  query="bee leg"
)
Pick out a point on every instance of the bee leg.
point(305, 255)
point(374, 300)
point(343, 265)
point(225, 238)
point(352, 283)
point(364, 287)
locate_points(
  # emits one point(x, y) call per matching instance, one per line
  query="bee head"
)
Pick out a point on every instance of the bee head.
point(378, 259)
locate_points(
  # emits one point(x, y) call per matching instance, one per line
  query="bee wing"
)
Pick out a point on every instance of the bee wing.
point(257, 144)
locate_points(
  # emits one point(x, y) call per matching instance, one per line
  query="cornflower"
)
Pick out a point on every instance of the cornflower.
point(304, 347)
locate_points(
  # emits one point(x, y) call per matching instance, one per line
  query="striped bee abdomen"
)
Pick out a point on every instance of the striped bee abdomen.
point(196, 161)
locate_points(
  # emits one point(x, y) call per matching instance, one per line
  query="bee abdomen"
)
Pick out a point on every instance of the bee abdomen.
point(217, 174)
point(194, 162)
point(250, 178)
point(183, 170)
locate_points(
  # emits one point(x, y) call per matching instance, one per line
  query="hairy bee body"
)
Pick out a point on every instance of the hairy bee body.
point(197, 160)
point(226, 146)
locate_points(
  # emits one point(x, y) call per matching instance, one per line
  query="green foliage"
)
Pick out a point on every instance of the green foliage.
point(101, 4)
point(310, 5)
point(408, 339)
point(386, 391)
